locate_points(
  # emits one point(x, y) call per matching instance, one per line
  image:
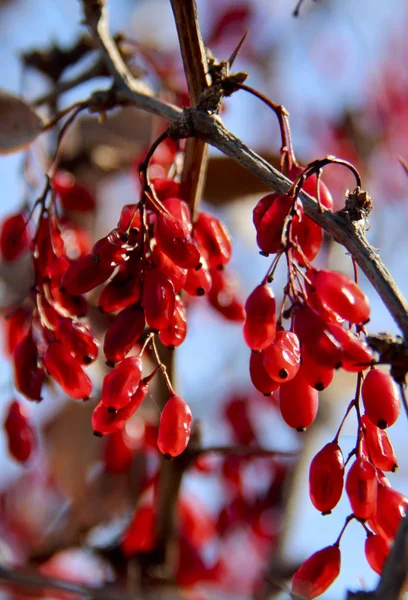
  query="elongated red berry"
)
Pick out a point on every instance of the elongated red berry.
point(391, 508)
point(123, 333)
point(379, 447)
point(269, 216)
point(28, 375)
point(198, 282)
point(259, 375)
point(110, 251)
point(14, 237)
point(67, 371)
point(317, 573)
point(318, 376)
point(174, 239)
point(381, 398)
point(118, 455)
point(361, 488)
point(282, 358)
point(78, 339)
point(376, 549)
point(158, 300)
point(298, 402)
point(260, 321)
point(105, 421)
point(213, 239)
point(340, 294)
point(121, 383)
point(326, 478)
point(175, 333)
point(175, 426)
point(20, 433)
point(16, 325)
point(176, 274)
point(84, 275)
point(123, 290)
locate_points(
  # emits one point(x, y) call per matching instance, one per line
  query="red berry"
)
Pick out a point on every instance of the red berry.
point(14, 237)
point(174, 239)
point(123, 290)
point(20, 433)
point(317, 573)
point(77, 339)
point(198, 282)
point(105, 421)
point(122, 383)
point(282, 358)
point(118, 455)
point(110, 251)
point(379, 447)
point(84, 275)
point(260, 321)
point(340, 294)
point(175, 426)
point(175, 333)
point(318, 376)
point(28, 376)
point(259, 376)
point(158, 299)
point(67, 371)
point(16, 325)
point(176, 274)
point(213, 239)
point(298, 402)
point(391, 508)
point(123, 333)
point(376, 550)
point(380, 398)
point(361, 488)
point(326, 478)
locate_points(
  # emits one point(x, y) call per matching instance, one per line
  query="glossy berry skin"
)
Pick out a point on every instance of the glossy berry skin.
point(78, 339)
point(176, 274)
point(340, 294)
point(14, 237)
point(361, 488)
point(84, 275)
point(123, 290)
point(282, 358)
point(391, 508)
point(317, 573)
point(378, 446)
point(380, 398)
point(298, 402)
point(326, 478)
point(198, 282)
point(174, 239)
point(260, 321)
point(67, 371)
point(17, 326)
point(176, 331)
point(175, 426)
point(123, 333)
point(376, 550)
point(20, 433)
point(110, 251)
point(269, 216)
point(317, 376)
point(105, 422)
point(259, 376)
point(158, 299)
point(213, 240)
point(121, 383)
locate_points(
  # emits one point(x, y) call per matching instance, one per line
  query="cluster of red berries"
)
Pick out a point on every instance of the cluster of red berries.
point(147, 262)
point(323, 307)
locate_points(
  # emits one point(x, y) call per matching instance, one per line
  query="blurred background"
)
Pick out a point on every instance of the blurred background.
point(340, 70)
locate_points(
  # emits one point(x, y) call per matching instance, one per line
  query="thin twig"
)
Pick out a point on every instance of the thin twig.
point(249, 451)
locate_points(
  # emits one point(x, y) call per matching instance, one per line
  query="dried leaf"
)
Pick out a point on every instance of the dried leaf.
point(19, 124)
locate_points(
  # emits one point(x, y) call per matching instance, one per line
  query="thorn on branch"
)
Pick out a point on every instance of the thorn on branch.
point(358, 205)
